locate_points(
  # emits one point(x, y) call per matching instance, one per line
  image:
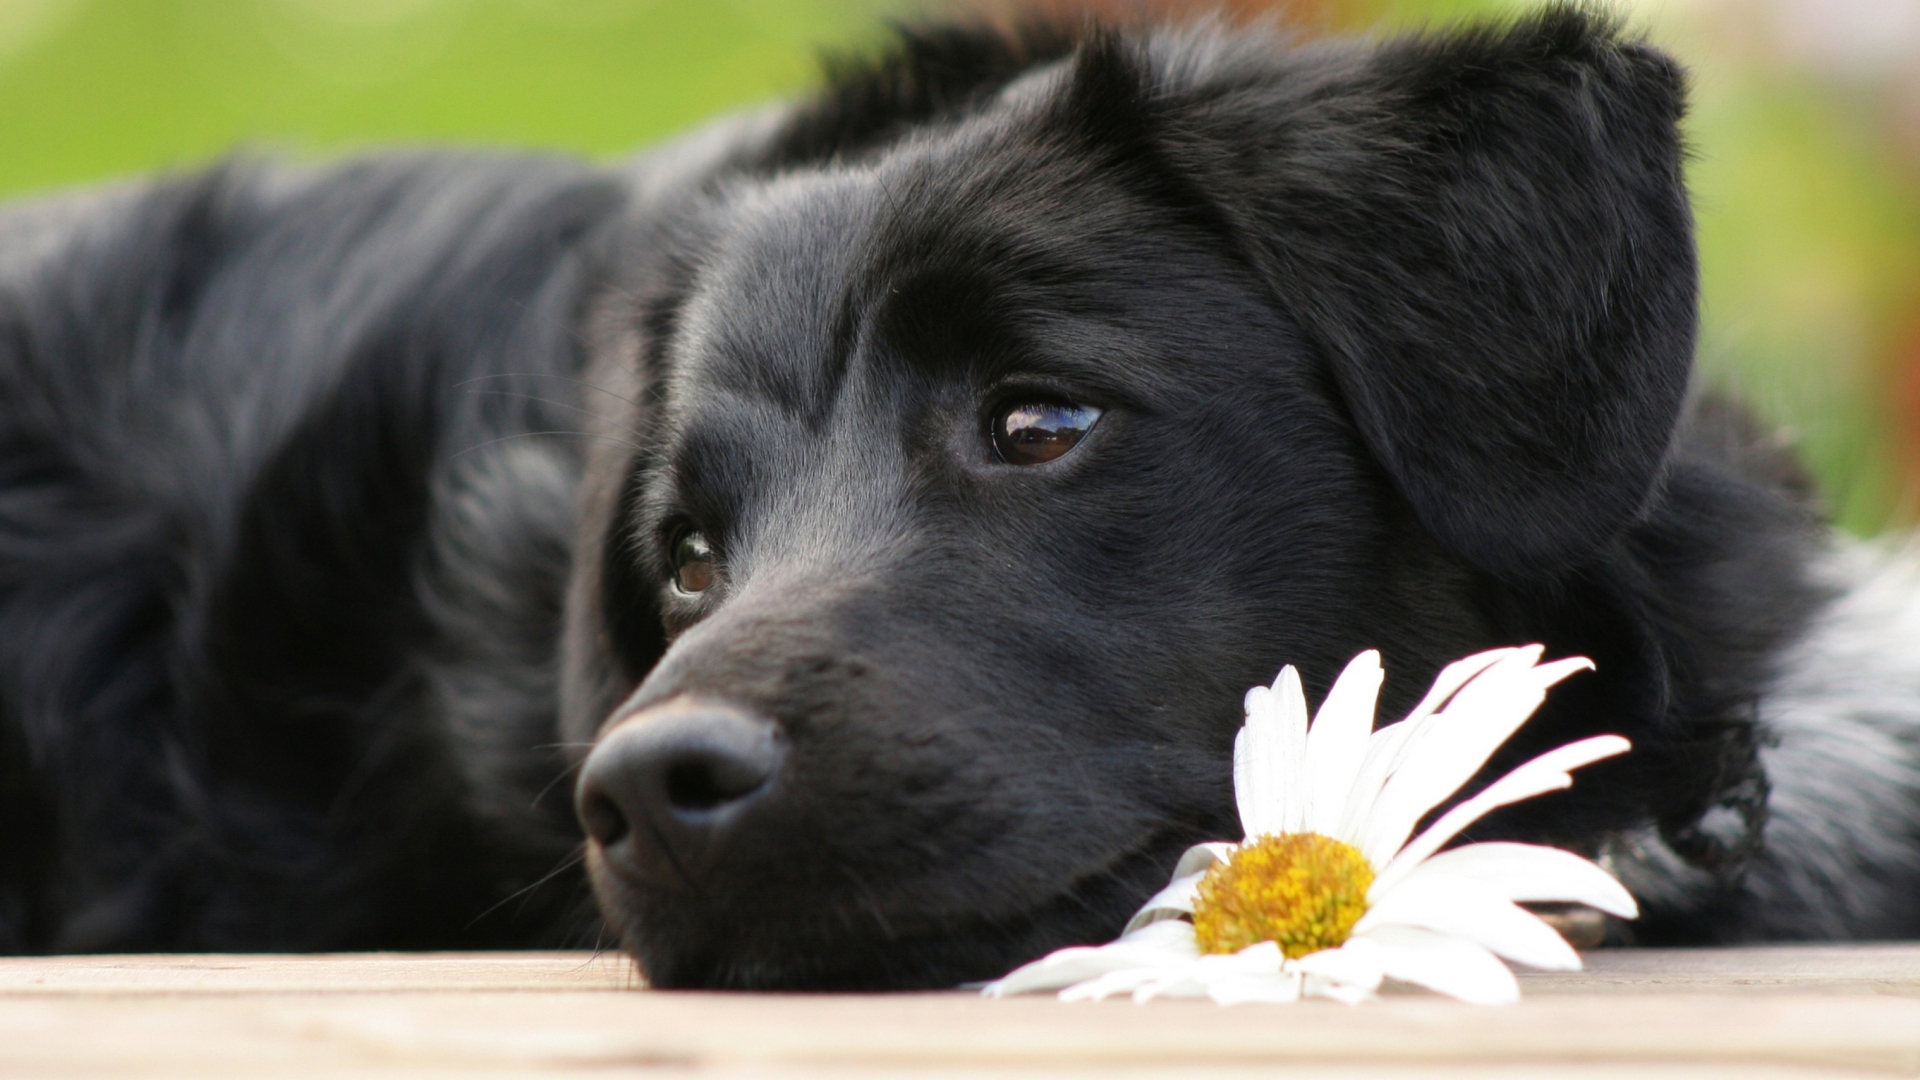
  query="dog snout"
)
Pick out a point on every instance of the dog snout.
point(666, 786)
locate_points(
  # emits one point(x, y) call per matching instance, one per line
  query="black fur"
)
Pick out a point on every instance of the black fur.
point(276, 613)
point(334, 506)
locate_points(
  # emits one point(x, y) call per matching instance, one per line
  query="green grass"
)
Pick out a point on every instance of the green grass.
point(1810, 245)
point(121, 86)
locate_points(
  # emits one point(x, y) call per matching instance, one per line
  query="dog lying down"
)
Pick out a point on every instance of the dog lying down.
point(859, 521)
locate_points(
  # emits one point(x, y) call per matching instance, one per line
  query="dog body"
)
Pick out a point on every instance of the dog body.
point(899, 489)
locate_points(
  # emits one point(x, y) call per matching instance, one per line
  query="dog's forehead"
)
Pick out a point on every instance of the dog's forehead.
point(776, 295)
point(803, 272)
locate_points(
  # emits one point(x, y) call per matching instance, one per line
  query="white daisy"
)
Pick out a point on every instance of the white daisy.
point(1326, 895)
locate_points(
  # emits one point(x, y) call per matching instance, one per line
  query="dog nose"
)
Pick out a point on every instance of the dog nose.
point(668, 782)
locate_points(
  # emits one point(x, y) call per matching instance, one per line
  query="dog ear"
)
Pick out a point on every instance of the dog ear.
point(1487, 237)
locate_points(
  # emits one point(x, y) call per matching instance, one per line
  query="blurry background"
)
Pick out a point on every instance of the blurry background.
point(1806, 130)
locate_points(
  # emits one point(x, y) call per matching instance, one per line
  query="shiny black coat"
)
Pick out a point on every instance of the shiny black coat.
point(336, 506)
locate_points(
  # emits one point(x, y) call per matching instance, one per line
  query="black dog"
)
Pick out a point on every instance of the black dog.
point(959, 445)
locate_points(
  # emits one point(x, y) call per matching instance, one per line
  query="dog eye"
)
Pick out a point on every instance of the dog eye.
point(694, 569)
point(1034, 432)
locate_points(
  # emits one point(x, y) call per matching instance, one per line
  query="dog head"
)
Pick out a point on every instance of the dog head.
point(994, 435)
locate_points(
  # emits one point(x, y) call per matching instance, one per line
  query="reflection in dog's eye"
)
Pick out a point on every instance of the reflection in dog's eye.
point(693, 564)
point(1034, 432)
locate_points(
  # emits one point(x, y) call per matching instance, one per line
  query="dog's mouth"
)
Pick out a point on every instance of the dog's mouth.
point(712, 938)
point(730, 851)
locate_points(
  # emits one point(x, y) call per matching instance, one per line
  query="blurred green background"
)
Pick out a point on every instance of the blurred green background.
point(1806, 132)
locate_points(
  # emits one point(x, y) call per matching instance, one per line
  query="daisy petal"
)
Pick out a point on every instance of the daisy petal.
point(1532, 872)
point(1177, 898)
point(1337, 741)
point(1344, 993)
point(1386, 749)
point(1550, 771)
point(1161, 939)
point(1169, 903)
point(1452, 678)
point(1290, 769)
point(1200, 858)
point(1160, 945)
point(1124, 981)
point(1467, 909)
point(1268, 755)
point(1383, 756)
point(1282, 988)
point(1447, 965)
point(1259, 961)
point(1260, 958)
point(1453, 744)
point(1185, 985)
point(1356, 963)
point(1446, 747)
point(1254, 742)
point(1055, 971)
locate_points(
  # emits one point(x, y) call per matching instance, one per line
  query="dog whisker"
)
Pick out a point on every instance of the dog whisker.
point(551, 784)
point(527, 891)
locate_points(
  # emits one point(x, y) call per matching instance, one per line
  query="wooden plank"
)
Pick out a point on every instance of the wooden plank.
point(1874, 968)
point(1748, 1013)
point(1864, 968)
point(320, 973)
point(517, 1032)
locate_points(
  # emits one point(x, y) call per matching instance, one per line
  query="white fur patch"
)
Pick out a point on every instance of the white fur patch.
point(1842, 855)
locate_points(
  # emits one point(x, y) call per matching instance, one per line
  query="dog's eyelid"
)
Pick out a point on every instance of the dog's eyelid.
point(1066, 387)
point(1054, 383)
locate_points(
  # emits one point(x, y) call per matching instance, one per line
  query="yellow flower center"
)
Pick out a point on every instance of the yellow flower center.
point(1302, 890)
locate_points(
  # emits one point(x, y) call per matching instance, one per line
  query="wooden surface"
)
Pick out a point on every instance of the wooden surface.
point(1748, 1013)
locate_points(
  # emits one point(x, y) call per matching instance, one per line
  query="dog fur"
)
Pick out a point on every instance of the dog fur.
point(333, 508)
